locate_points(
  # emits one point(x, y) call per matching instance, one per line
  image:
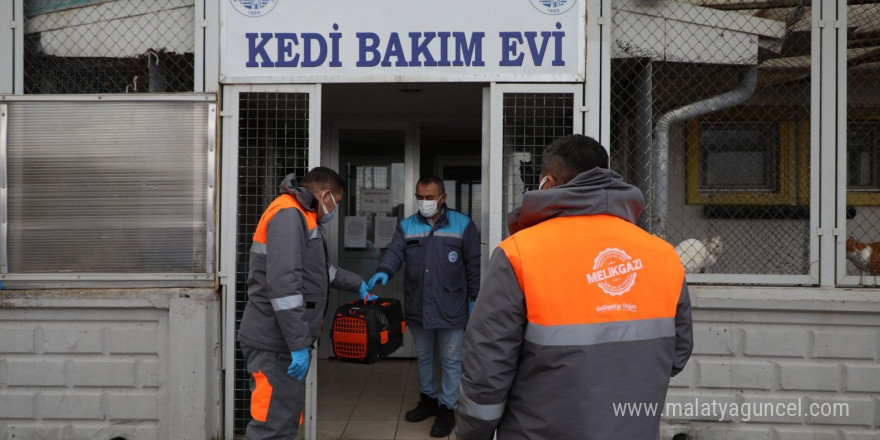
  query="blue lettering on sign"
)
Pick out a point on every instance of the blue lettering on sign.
point(334, 45)
point(444, 48)
point(430, 49)
point(512, 56)
point(508, 48)
point(421, 49)
point(285, 50)
point(314, 49)
point(308, 61)
point(537, 54)
point(255, 50)
point(367, 48)
point(557, 43)
point(473, 52)
point(468, 52)
point(394, 49)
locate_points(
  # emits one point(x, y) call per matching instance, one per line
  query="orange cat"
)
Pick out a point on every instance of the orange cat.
point(865, 256)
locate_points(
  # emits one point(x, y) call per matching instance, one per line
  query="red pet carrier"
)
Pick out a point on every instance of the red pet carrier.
point(366, 331)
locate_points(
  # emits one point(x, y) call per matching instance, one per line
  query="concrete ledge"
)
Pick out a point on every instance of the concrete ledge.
point(102, 298)
point(803, 299)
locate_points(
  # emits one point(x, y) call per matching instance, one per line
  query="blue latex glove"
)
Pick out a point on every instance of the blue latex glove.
point(381, 277)
point(299, 363)
point(471, 307)
point(364, 292)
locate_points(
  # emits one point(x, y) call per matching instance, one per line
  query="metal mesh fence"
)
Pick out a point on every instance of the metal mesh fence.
point(863, 141)
point(108, 46)
point(273, 140)
point(531, 122)
point(710, 118)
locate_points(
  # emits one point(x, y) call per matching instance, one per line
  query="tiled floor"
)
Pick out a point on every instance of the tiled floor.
point(369, 401)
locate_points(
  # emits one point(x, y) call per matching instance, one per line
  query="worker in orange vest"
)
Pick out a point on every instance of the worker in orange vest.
point(579, 311)
point(288, 281)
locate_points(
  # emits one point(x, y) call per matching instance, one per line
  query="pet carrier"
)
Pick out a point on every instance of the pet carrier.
point(366, 331)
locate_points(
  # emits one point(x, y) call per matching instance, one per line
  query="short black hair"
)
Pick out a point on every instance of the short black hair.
point(321, 178)
point(427, 180)
point(571, 155)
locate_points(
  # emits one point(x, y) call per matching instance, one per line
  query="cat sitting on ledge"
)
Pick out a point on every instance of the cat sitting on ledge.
point(697, 256)
point(864, 256)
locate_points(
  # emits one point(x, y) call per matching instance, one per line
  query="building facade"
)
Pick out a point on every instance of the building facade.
point(141, 140)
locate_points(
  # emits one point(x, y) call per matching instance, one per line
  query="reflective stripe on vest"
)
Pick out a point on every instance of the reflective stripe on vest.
point(577, 272)
point(283, 201)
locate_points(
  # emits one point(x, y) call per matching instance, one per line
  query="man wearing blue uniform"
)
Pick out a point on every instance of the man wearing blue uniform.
point(441, 249)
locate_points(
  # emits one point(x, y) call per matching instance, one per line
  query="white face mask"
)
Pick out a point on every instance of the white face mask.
point(328, 215)
point(543, 181)
point(427, 208)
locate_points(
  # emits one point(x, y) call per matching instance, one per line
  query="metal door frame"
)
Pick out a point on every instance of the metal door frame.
point(228, 227)
point(493, 150)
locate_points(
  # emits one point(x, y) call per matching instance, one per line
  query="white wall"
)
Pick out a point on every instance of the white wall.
point(765, 345)
point(102, 364)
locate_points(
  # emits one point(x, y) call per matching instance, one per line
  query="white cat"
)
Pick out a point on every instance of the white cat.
point(698, 257)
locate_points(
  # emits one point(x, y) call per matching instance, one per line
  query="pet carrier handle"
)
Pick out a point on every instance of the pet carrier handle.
point(365, 301)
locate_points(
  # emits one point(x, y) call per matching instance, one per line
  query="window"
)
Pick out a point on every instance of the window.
point(767, 162)
point(109, 190)
point(741, 162)
point(736, 156)
point(863, 163)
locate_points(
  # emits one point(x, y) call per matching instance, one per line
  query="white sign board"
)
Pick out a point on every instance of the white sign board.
point(384, 231)
point(355, 232)
point(403, 40)
point(376, 200)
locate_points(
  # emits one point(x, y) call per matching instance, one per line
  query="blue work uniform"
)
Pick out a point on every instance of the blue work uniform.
point(442, 268)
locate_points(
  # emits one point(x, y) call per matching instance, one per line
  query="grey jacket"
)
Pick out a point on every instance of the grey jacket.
point(289, 275)
point(537, 364)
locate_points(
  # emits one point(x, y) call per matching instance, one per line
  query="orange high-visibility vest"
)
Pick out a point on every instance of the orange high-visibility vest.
point(594, 269)
point(283, 201)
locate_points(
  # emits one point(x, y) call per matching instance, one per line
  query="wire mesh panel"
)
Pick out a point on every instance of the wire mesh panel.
point(108, 46)
point(273, 141)
point(710, 106)
point(531, 121)
point(863, 143)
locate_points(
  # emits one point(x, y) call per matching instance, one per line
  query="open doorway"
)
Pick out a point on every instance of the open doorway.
point(383, 138)
point(373, 162)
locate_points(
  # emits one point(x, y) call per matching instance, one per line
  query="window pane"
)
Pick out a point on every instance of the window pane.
point(107, 187)
point(862, 157)
point(739, 157)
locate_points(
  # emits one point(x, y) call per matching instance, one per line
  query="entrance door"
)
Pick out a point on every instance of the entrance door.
point(377, 165)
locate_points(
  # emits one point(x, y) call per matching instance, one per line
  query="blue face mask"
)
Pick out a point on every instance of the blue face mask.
point(328, 216)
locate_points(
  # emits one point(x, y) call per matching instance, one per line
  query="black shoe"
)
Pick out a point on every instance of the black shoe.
point(444, 422)
point(427, 407)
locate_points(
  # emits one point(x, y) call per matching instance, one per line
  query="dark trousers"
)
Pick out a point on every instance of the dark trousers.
point(277, 400)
